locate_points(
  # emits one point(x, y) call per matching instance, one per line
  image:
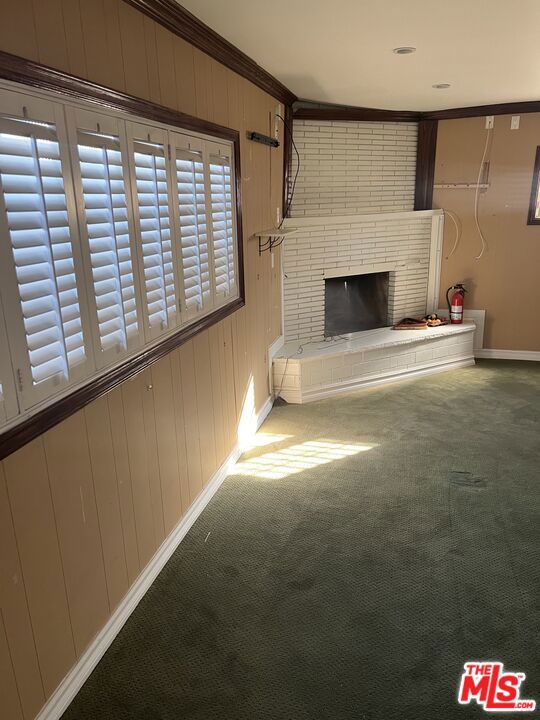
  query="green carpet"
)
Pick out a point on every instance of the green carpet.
point(350, 578)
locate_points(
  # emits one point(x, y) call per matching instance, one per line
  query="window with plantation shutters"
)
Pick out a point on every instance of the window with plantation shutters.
point(192, 221)
point(117, 233)
point(223, 235)
point(151, 200)
point(40, 259)
point(105, 224)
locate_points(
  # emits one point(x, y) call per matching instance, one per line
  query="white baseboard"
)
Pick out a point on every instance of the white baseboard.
point(507, 354)
point(273, 350)
point(479, 319)
point(77, 676)
point(397, 376)
point(276, 346)
point(264, 411)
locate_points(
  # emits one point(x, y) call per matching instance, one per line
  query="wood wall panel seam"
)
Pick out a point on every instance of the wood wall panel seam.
point(76, 514)
point(35, 527)
point(15, 609)
point(71, 17)
point(127, 508)
point(9, 691)
point(180, 431)
point(154, 473)
point(167, 442)
point(103, 468)
point(133, 47)
point(99, 523)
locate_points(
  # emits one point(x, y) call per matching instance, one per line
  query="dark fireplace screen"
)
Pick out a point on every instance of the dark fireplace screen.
point(357, 302)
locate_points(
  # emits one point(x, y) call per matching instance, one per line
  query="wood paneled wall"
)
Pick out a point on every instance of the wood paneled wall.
point(85, 506)
point(504, 282)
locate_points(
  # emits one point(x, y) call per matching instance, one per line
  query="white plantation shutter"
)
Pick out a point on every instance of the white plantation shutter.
point(113, 234)
point(153, 221)
point(223, 226)
point(191, 207)
point(100, 178)
point(36, 224)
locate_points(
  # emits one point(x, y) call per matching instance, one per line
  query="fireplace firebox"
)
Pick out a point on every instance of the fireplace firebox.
point(355, 302)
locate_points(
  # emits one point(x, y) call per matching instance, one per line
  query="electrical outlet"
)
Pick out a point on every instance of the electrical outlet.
point(272, 259)
point(278, 217)
point(514, 124)
point(490, 121)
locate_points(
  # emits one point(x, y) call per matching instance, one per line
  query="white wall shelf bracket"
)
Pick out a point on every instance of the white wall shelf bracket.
point(270, 239)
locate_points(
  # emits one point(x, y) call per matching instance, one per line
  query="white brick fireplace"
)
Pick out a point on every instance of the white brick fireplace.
point(407, 245)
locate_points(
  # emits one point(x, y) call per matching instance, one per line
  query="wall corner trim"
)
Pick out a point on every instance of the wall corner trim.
point(425, 164)
point(181, 22)
point(80, 672)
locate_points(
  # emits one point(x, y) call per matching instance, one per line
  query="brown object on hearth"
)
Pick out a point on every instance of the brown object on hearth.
point(434, 320)
point(410, 324)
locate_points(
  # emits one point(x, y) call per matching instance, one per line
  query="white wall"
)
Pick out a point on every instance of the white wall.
point(353, 167)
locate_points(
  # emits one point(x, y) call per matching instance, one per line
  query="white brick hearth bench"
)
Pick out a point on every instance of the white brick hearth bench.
point(314, 370)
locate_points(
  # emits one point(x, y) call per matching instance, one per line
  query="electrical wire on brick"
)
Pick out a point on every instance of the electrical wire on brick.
point(293, 186)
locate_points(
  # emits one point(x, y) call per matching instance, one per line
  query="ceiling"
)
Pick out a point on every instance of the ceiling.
point(340, 51)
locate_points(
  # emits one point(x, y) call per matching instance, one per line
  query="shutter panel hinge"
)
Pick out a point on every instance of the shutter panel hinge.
point(19, 379)
point(169, 150)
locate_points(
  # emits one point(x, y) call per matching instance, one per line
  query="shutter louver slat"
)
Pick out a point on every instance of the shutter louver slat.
point(222, 227)
point(191, 198)
point(106, 217)
point(32, 184)
point(156, 240)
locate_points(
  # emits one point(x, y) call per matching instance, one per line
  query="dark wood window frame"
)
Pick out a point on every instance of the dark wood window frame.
point(531, 217)
point(41, 77)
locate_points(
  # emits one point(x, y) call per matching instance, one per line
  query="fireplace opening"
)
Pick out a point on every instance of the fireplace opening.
point(356, 302)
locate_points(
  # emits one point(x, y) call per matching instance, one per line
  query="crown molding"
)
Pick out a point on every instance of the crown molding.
point(363, 114)
point(182, 23)
point(358, 114)
point(511, 108)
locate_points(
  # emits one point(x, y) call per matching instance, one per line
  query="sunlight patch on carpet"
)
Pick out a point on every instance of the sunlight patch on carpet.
point(297, 458)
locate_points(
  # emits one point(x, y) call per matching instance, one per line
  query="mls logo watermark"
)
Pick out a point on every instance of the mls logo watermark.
point(487, 684)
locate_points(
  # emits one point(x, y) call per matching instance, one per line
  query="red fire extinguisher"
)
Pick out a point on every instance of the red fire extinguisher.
point(455, 304)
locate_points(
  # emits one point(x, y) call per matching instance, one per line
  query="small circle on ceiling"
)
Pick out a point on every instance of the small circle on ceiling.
point(404, 50)
point(441, 86)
